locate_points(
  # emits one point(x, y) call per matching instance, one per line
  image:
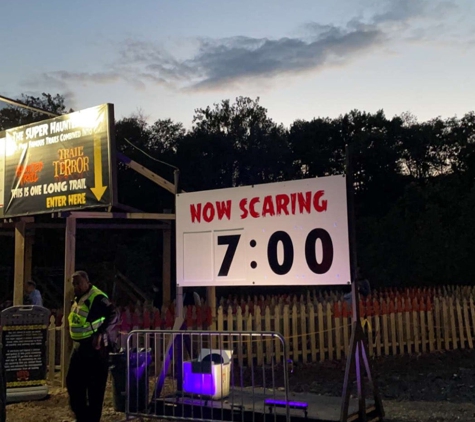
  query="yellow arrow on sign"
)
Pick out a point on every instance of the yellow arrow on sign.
point(98, 189)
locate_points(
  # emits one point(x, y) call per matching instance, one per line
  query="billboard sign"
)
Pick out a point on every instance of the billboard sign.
point(60, 164)
point(277, 234)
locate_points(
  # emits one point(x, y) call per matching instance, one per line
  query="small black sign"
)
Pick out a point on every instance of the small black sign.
point(24, 331)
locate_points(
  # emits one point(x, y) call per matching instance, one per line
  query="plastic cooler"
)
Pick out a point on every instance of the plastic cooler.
point(209, 375)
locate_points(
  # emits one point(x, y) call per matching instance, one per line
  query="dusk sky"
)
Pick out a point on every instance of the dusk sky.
point(303, 58)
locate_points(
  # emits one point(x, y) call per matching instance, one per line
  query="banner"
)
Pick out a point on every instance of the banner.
point(60, 164)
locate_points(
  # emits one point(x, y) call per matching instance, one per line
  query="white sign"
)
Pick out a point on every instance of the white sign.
point(277, 234)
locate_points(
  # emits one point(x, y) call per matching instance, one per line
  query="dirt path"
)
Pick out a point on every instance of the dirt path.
point(437, 387)
point(56, 408)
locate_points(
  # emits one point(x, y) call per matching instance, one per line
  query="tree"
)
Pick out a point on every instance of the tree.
point(13, 116)
point(165, 135)
point(232, 145)
point(318, 149)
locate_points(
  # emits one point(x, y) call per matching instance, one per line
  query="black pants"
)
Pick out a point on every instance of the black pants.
point(86, 382)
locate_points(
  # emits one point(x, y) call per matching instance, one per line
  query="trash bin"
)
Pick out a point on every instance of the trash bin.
point(138, 384)
point(209, 375)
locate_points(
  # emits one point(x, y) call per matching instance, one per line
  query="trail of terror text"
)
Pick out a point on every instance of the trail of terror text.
point(256, 207)
point(71, 161)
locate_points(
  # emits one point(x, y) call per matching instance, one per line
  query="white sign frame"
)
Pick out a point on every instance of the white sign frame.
point(277, 234)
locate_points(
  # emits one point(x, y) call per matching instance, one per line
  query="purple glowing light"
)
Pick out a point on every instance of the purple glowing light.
point(197, 383)
point(283, 403)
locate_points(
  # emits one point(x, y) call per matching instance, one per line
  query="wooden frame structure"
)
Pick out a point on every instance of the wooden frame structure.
point(70, 260)
point(24, 248)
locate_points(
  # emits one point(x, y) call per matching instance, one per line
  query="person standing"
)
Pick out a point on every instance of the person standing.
point(91, 321)
point(32, 294)
point(363, 286)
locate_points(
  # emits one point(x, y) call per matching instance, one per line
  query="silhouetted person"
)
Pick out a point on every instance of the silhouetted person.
point(363, 286)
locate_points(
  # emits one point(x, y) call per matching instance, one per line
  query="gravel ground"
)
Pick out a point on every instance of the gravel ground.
point(417, 388)
point(55, 408)
point(438, 387)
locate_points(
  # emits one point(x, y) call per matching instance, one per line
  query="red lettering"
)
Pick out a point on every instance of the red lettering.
point(252, 208)
point(224, 209)
point(242, 207)
point(282, 201)
point(29, 173)
point(195, 211)
point(293, 201)
point(279, 204)
point(304, 202)
point(208, 212)
point(319, 206)
point(268, 207)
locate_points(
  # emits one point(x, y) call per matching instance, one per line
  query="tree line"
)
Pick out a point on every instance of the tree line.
point(414, 181)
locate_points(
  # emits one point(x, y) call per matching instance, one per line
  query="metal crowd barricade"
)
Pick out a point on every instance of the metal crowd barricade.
point(208, 376)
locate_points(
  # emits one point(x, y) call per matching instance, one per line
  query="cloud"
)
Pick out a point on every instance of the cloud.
point(214, 63)
point(241, 58)
point(401, 11)
point(83, 77)
point(62, 79)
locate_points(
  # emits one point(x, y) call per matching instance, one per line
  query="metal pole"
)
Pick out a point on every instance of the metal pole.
point(179, 289)
point(350, 195)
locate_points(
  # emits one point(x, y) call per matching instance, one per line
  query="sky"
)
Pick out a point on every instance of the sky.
point(303, 58)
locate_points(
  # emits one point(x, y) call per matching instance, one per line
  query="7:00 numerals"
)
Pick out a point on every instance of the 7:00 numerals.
point(282, 268)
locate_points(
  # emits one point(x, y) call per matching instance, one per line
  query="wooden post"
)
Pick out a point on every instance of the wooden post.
point(328, 314)
point(313, 334)
point(211, 299)
point(321, 332)
point(166, 267)
point(69, 266)
point(303, 332)
point(51, 348)
point(295, 333)
point(269, 352)
point(29, 240)
point(179, 289)
point(19, 277)
point(258, 341)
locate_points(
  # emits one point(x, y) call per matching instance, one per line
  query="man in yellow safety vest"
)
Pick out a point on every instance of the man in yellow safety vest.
point(91, 320)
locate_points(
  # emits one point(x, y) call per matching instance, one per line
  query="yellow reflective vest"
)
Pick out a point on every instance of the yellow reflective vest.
point(79, 327)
